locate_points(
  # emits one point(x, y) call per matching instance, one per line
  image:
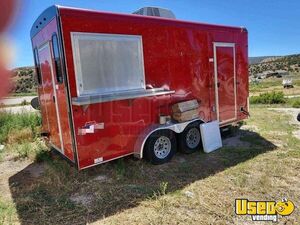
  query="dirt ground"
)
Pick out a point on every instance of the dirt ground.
point(9, 167)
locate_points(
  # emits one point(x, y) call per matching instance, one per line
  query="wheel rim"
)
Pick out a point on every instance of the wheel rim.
point(162, 147)
point(193, 138)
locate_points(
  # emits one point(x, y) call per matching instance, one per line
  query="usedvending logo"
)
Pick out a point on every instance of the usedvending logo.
point(264, 210)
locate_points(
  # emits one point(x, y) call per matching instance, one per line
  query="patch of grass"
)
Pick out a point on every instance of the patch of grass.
point(12, 124)
point(23, 94)
point(35, 150)
point(275, 84)
point(184, 167)
point(18, 136)
point(241, 180)
point(161, 203)
point(296, 103)
point(40, 200)
point(268, 98)
point(7, 212)
point(253, 139)
point(23, 150)
point(19, 133)
point(24, 102)
point(40, 194)
point(263, 84)
point(59, 171)
point(43, 153)
point(1, 155)
point(271, 123)
point(163, 188)
point(120, 169)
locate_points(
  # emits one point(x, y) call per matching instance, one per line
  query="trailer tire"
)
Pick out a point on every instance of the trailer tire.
point(160, 147)
point(189, 140)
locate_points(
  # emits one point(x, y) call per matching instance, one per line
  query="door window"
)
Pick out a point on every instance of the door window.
point(57, 59)
point(37, 66)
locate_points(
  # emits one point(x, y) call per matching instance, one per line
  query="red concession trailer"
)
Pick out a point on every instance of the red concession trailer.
point(104, 80)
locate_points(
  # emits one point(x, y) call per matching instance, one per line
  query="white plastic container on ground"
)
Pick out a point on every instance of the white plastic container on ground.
point(211, 136)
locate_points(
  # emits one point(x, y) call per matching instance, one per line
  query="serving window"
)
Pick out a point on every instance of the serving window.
point(107, 63)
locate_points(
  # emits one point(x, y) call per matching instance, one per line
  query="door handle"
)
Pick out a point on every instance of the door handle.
point(53, 98)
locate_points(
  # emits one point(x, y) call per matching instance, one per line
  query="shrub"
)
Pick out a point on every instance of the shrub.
point(268, 98)
point(296, 104)
point(23, 150)
point(35, 150)
point(20, 135)
point(17, 136)
point(24, 102)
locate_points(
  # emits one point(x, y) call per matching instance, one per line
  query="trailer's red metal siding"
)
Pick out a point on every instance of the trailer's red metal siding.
point(176, 56)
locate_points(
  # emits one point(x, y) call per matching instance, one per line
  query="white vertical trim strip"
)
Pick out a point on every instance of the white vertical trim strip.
point(234, 74)
point(216, 81)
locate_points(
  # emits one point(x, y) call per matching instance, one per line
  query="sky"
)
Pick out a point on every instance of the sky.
point(273, 25)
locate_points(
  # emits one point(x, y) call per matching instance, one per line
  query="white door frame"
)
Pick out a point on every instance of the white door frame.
point(61, 149)
point(229, 45)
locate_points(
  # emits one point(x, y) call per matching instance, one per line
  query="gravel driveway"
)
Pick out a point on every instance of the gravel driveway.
point(16, 100)
point(10, 102)
point(18, 109)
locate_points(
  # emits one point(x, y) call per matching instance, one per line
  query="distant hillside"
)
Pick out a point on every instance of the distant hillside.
point(23, 80)
point(259, 59)
point(289, 63)
point(262, 59)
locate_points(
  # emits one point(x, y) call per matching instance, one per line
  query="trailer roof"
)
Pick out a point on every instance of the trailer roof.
point(48, 14)
point(44, 18)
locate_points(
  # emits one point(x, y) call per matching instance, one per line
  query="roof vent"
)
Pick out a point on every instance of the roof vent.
point(155, 11)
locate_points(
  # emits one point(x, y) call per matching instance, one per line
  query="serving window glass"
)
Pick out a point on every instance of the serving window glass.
point(107, 63)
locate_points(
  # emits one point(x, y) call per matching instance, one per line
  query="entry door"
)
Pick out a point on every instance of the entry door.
point(225, 81)
point(49, 96)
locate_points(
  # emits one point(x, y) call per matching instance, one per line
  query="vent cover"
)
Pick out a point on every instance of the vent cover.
point(155, 11)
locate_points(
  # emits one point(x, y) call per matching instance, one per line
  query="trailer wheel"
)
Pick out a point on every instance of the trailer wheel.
point(189, 140)
point(160, 147)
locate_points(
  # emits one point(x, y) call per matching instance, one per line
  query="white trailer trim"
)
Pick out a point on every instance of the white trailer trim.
point(104, 161)
point(230, 45)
